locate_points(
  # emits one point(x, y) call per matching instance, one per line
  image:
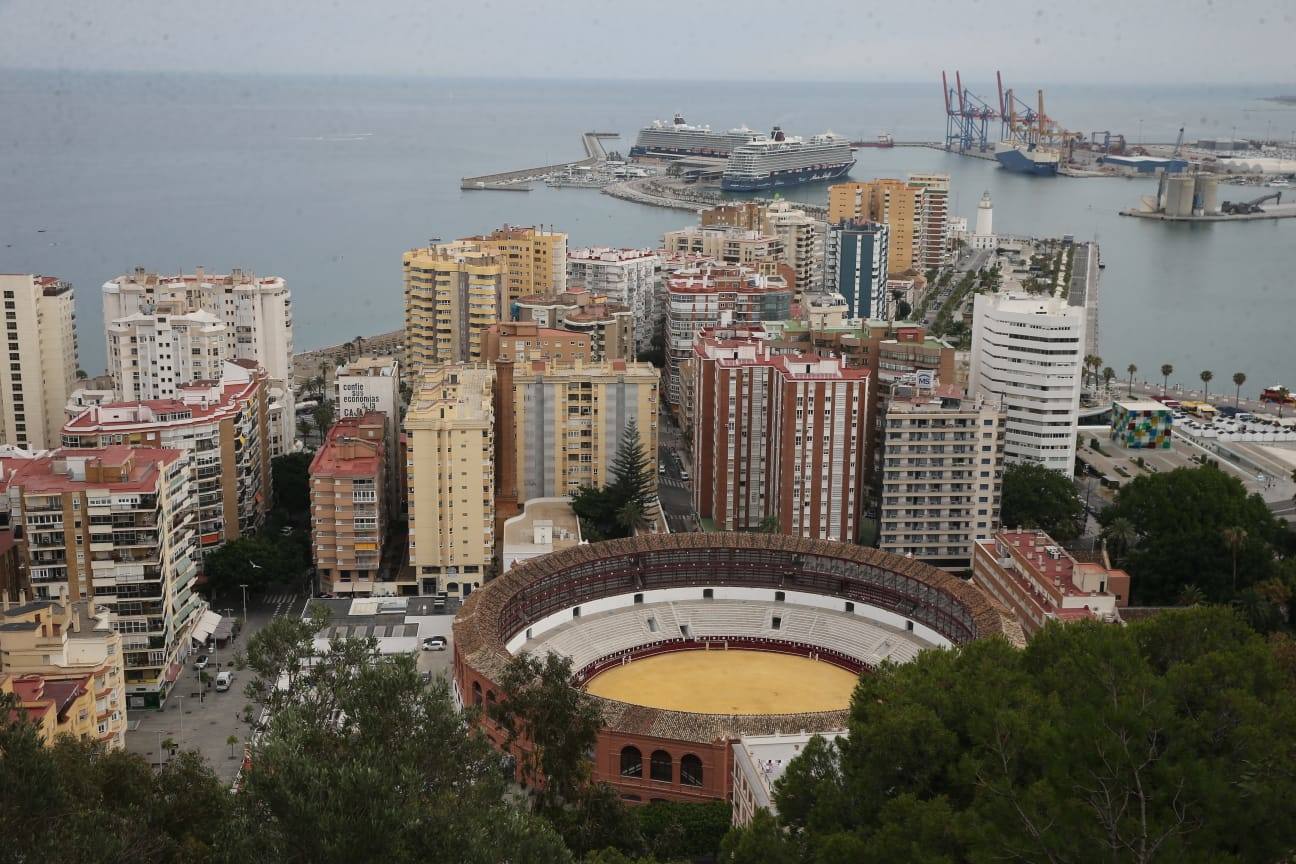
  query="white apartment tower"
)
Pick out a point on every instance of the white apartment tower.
point(156, 351)
point(1027, 353)
point(41, 373)
point(625, 276)
point(256, 312)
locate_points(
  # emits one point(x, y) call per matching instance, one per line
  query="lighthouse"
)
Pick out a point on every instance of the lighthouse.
point(983, 237)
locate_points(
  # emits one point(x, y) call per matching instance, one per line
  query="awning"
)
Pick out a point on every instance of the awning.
point(205, 627)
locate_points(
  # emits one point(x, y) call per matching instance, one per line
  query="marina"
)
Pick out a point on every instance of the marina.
point(518, 181)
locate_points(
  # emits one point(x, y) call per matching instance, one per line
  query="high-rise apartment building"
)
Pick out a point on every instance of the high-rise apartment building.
point(935, 243)
point(349, 506)
point(624, 276)
point(568, 420)
point(610, 326)
point(257, 313)
point(63, 662)
point(942, 475)
point(855, 266)
point(368, 384)
point(534, 261)
point(453, 293)
point(1027, 359)
point(224, 427)
point(713, 295)
point(801, 235)
point(778, 437)
point(915, 211)
point(154, 352)
point(115, 525)
point(41, 372)
point(450, 470)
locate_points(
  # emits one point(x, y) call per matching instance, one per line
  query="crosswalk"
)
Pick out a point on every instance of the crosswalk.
point(673, 483)
point(283, 603)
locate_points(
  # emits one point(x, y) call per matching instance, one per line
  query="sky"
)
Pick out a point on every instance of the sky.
point(1097, 41)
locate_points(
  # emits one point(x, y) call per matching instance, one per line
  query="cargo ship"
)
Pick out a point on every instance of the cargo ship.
point(883, 141)
point(678, 139)
point(779, 160)
point(1028, 158)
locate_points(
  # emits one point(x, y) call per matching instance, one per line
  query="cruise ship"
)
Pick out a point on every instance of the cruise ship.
point(782, 161)
point(1028, 158)
point(679, 139)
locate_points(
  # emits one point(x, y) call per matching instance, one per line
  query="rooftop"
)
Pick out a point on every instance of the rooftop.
point(377, 367)
point(65, 469)
point(553, 513)
point(347, 452)
point(199, 402)
point(607, 254)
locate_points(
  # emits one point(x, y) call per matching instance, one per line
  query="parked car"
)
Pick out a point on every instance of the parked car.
point(434, 643)
point(202, 661)
point(684, 475)
point(224, 680)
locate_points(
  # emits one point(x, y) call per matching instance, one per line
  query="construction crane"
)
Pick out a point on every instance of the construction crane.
point(1023, 123)
point(967, 117)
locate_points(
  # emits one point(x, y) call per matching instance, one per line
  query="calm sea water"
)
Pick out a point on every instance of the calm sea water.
point(326, 181)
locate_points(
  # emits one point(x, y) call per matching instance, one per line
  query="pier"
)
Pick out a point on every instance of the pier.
point(517, 181)
point(1278, 211)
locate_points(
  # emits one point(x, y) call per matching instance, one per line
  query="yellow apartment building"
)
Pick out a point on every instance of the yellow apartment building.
point(534, 261)
point(453, 293)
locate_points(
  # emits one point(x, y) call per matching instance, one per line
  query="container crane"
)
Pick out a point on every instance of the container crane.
point(967, 117)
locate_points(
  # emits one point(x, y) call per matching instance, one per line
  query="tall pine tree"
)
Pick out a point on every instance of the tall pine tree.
point(632, 470)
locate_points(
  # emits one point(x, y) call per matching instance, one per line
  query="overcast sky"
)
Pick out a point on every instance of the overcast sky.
point(1142, 41)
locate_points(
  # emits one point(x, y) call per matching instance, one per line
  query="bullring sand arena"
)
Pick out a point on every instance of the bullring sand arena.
point(728, 682)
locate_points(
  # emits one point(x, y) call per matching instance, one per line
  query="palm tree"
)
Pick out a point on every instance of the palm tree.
point(1088, 370)
point(1191, 595)
point(1239, 378)
point(1121, 534)
point(304, 426)
point(631, 517)
point(1166, 371)
point(1131, 369)
point(232, 741)
point(1234, 539)
point(1283, 393)
point(1109, 374)
point(169, 745)
point(1096, 362)
point(1206, 377)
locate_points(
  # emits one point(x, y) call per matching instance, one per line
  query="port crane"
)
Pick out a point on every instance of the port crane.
point(967, 117)
point(1022, 123)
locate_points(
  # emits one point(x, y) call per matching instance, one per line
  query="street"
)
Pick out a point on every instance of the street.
point(204, 720)
point(675, 493)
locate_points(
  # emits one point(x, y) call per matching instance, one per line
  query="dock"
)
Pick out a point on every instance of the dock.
point(518, 181)
point(1279, 211)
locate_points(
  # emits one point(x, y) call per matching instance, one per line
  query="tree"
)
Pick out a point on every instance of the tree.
point(323, 415)
point(1190, 595)
point(1131, 369)
point(257, 560)
point(1096, 362)
point(1176, 515)
point(305, 427)
point(1121, 534)
point(1234, 539)
point(1178, 738)
point(1239, 378)
point(1166, 371)
point(674, 830)
point(632, 469)
point(1039, 497)
point(1108, 374)
point(364, 762)
point(291, 480)
point(903, 309)
point(1089, 373)
point(1206, 377)
point(232, 741)
point(759, 842)
point(551, 725)
point(632, 518)
point(769, 525)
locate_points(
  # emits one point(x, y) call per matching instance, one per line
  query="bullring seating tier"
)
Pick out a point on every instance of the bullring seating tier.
point(594, 637)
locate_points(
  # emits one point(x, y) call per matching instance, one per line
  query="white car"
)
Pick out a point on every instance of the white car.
point(434, 643)
point(224, 680)
point(202, 661)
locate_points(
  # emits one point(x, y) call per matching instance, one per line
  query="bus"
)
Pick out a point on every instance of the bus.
point(1202, 410)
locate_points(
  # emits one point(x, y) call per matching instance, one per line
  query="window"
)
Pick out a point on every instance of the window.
point(631, 762)
point(576, 612)
point(909, 626)
point(850, 607)
point(477, 693)
point(661, 767)
point(779, 596)
point(638, 598)
point(776, 623)
point(691, 770)
point(708, 593)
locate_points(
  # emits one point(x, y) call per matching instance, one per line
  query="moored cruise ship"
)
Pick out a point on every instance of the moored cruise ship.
point(678, 139)
point(782, 161)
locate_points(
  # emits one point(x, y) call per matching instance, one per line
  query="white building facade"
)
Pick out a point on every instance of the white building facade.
point(983, 238)
point(156, 351)
point(1027, 359)
point(625, 276)
point(373, 384)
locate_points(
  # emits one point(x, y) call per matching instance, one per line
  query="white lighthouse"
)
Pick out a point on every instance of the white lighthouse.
point(983, 237)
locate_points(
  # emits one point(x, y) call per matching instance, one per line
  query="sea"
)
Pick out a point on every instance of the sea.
point(326, 181)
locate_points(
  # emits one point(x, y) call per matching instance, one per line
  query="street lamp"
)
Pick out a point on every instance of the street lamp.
point(244, 587)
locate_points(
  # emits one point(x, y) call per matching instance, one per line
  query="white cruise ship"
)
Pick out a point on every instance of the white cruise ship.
point(782, 161)
point(678, 139)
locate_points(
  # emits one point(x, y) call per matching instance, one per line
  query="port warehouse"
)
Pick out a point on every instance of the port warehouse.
point(1146, 164)
point(849, 605)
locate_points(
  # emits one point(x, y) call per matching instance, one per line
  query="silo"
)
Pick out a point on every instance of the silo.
point(1204, 198)
point(1179, 195)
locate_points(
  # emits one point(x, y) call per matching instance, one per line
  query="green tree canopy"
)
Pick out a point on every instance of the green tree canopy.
point(1179, 517)
point(618, 509)
point(1167, 740)
point(1039, 497)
